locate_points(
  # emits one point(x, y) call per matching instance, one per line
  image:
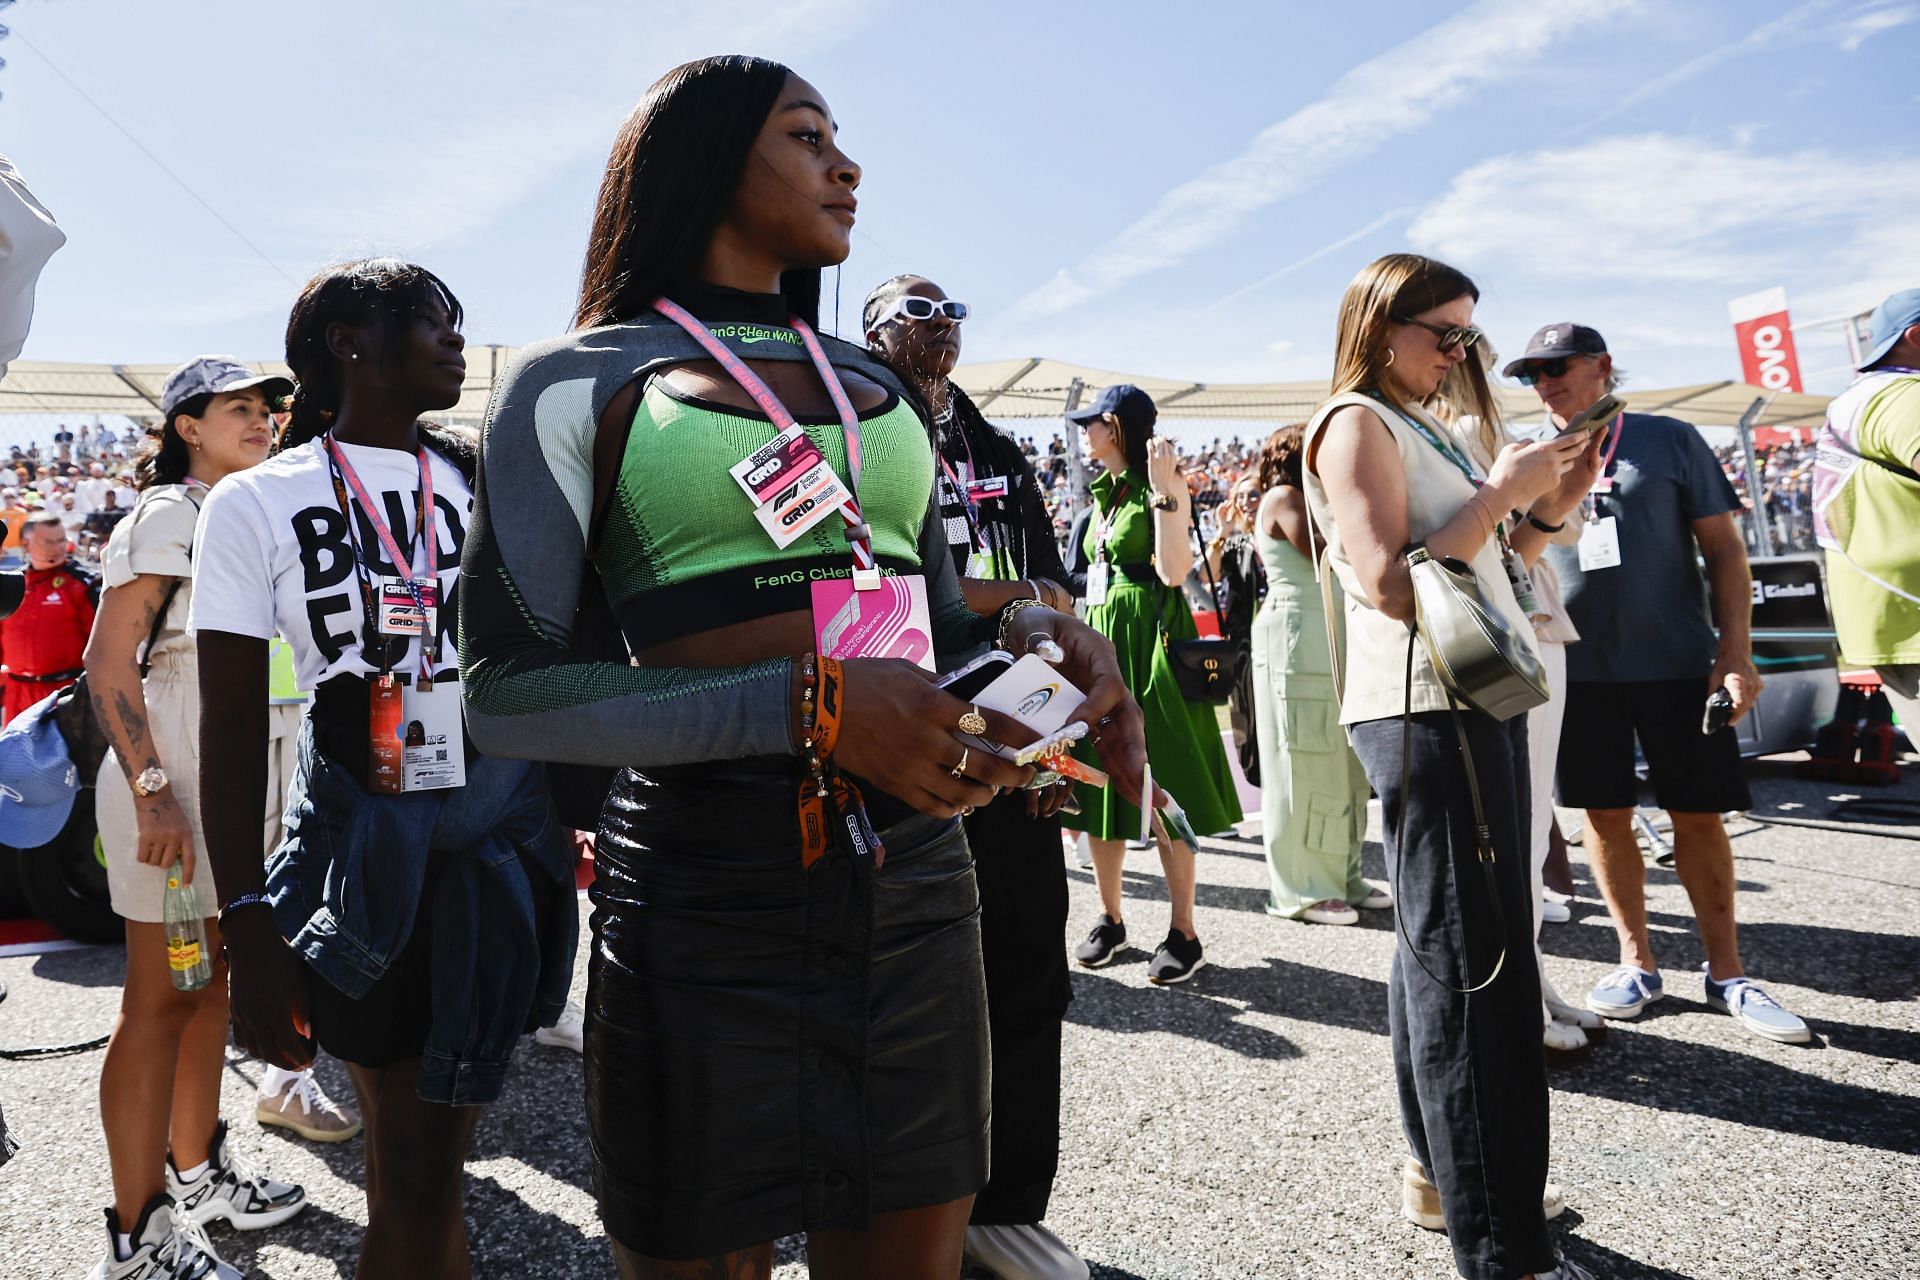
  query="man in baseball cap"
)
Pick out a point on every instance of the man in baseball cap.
point(1866, 505)
point(1556, 343)
point(210, 375)
point(1658, 639)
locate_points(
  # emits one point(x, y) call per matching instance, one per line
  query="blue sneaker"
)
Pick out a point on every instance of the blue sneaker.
point(1625, 992)
point(1757, 1011)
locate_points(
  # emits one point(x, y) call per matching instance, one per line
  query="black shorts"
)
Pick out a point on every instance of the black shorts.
point(387, 1025)
point(1691, 772)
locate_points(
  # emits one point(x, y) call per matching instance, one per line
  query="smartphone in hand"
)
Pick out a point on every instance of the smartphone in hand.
point(1595, 416)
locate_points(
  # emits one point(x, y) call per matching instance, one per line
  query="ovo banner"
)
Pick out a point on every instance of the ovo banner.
point(1765, 339)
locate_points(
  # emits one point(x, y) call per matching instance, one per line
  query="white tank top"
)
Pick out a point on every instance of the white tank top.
point(1375, 653)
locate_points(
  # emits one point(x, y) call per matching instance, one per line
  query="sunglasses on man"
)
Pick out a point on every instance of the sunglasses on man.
point(1459, 336)
point(913, 307)
point(1534, 370)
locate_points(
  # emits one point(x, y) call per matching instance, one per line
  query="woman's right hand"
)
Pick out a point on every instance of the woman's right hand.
point(165, 835)
point(1523, 472)
point(899, 732)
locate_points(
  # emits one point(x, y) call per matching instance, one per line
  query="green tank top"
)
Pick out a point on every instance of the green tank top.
point(679, 549)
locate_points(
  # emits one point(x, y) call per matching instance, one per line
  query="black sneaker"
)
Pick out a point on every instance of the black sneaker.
point(1103, 944)
point(1178, 959)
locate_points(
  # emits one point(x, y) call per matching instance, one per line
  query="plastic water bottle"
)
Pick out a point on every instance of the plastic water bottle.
point(187, 958)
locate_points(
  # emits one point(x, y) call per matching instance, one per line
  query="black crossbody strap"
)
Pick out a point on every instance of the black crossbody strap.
point(1483, 835)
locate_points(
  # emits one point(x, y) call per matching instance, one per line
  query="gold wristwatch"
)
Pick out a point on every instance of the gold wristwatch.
point(149, 781)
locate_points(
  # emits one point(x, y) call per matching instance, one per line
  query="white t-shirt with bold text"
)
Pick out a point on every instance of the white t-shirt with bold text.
point(272, 555)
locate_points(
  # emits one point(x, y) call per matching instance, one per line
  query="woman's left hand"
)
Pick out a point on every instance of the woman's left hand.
point(1163, 467)
point(1109, 712)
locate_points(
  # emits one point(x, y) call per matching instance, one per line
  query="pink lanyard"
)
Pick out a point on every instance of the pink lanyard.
point(1619, 429)
point(865, 574)
point(402, 560)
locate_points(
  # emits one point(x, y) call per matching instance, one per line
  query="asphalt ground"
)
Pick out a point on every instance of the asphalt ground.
point(1244, 1125)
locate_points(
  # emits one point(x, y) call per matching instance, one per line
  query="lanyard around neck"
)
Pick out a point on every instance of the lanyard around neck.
point(865, 572)
point(1104, 532)
point(1447, 450)
point(345, 478)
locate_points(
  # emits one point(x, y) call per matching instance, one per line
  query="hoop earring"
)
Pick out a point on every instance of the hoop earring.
point(1387, 365)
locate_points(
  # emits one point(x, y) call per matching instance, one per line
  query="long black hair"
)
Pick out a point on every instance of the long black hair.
point(384, 292)
point(671, 176)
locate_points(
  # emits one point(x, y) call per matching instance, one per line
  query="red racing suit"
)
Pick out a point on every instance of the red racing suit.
point(41, 643)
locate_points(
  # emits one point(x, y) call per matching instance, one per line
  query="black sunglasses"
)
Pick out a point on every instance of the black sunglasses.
point(1462, 336)
point(1534, 370)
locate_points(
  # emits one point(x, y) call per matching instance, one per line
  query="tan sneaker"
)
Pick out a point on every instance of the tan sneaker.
point(304, 1108)
point(1420, 1199)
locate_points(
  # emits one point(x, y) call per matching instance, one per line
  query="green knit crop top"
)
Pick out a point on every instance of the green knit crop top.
point(679, 548)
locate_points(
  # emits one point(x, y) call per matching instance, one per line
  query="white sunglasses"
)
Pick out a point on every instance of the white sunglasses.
point(914, 307)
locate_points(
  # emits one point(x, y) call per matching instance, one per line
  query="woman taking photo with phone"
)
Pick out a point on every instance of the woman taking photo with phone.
point(786, 1023)
point(1139, 548)
point(1381, 473)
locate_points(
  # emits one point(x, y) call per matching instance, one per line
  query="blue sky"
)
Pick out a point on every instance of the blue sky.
point(1179, 191)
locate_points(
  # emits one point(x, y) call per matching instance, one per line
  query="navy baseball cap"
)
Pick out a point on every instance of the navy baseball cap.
point(1124, 401)
point(1891, 318)
point(1552, 341)
point(37, 778)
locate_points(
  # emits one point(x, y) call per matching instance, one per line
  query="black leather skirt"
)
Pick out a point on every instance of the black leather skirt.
point(772, 1049)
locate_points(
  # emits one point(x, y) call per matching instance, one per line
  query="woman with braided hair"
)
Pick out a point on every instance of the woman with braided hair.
point(1002, 542)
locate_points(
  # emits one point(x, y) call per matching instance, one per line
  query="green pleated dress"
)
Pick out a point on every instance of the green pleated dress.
point(1183, 738)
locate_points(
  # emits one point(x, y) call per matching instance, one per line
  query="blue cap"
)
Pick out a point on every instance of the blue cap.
point(37, 778)
point(1124, 401)
point(1891, 318)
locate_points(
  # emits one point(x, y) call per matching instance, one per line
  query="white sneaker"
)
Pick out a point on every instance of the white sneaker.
point(1023, 1253)
point(1332, 911)
point(1552, 912)
point(304, 1107)
point(167, 1245)
point(570, 1032)
point(1378, 898)
point(233, 1191)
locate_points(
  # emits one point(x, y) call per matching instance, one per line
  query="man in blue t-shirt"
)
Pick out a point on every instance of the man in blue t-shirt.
point(1657, 639)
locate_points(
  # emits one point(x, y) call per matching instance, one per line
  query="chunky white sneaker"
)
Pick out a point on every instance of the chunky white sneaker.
point(304, 1107)
point(570, 1032)
point(1757, 1011)
point(167, 1245)
point(233, 1191)
point(1023, 1253)
point(1378, 898)
point(1554, 911)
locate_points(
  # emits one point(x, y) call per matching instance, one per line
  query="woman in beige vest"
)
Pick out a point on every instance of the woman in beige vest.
point(1383, 473)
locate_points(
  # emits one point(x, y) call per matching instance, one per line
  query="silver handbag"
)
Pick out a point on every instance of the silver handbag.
point(1476, 655)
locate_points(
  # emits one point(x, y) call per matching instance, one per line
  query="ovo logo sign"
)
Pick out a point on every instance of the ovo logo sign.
point(1765, 338)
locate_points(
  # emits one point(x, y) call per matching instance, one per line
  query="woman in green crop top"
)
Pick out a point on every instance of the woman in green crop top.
point(785, 1031)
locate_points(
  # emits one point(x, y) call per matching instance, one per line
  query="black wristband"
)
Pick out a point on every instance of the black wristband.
point(244, 900)
point(1543, 526)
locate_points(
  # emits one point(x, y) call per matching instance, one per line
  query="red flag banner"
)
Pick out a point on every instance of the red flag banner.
point(1765, 339)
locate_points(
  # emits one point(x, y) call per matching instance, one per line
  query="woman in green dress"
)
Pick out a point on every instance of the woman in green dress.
point(1139, 553)
point(1313, 793)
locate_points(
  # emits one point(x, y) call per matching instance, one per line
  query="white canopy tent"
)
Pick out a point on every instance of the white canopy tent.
point(1034, 388)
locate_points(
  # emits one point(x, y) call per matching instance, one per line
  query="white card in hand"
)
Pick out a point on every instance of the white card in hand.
point(1033, 693)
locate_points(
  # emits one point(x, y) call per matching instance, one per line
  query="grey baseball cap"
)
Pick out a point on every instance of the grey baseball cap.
point(206, 375)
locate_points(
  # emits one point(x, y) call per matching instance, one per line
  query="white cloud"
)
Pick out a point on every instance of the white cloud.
point(1383, 97)
point(1857, 29)
point(1663, 210)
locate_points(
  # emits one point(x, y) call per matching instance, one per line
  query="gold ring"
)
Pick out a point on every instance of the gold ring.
point(960, 770)
point(973, 723)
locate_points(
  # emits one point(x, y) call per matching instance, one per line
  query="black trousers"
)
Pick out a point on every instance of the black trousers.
point(1023, 917)
point(1472, 1077)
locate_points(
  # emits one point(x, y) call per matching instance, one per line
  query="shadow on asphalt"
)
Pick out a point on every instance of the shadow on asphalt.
point(1695, 1079)
point(103, 966)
